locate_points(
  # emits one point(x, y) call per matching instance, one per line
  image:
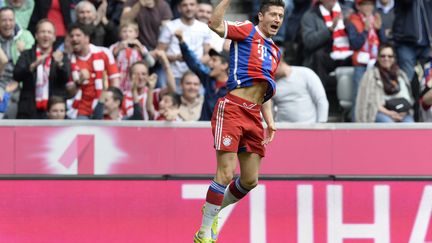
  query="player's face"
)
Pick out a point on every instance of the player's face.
point(188, 9)
point(190, 86)
point(57, 111)
point(45, 35)
point(271, 20)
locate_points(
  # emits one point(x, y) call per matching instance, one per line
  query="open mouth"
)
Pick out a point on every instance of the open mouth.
point(274, 27)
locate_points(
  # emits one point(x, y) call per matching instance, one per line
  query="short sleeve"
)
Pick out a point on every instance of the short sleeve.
point(110, 64)
point(165, 34)
point(238, 31)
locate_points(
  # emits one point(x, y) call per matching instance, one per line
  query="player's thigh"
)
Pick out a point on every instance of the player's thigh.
point(226, 165)
point(249, 169)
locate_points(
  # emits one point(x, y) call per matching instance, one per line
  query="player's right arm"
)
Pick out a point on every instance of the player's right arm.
point(216, 22)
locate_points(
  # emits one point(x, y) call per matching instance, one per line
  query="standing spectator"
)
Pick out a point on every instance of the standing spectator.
point(380, 87)
point(204, 13)
point(114, 9)
point(102, 28)
point(195, 33)
point(412, 33)
point(23, 10)
point(128, 51)
point(88, 64)
point(150, 16)
point(13, 40)
point(301, 96)
point(386, 10)
point(191, 100)
point(365, 35)
point(57, 11)
point(56, 108)
point(212, 77)
point(326, 44)
point(43, 73)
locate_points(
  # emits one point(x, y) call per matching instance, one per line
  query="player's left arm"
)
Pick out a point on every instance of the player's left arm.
point(216, 22)
point(266, 110)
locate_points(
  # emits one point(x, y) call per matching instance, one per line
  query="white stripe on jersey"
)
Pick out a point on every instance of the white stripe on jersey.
point(236, 58)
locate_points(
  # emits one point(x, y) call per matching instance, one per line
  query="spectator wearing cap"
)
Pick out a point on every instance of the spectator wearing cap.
point(213, 77)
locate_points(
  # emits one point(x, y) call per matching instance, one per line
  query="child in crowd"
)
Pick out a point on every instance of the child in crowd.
point(128, 51)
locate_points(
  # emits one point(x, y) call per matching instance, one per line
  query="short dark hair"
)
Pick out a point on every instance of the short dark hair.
point(6, 8)
point(265, 5)
point(176, 98)
point(87, 30)
point(53, 100)
point(117, 94)
point(205, 2)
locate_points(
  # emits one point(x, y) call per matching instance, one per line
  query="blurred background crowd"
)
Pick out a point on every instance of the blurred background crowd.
point(343, 61)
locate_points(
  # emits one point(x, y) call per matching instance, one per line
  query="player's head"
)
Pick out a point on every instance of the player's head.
point(270, 16)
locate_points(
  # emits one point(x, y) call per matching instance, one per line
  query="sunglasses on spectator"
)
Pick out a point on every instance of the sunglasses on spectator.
point(388, 56)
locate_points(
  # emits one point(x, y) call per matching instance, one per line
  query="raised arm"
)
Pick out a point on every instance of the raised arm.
point(216, 22)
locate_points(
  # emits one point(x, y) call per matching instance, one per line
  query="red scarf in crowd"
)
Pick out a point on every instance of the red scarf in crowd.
point(42, 81)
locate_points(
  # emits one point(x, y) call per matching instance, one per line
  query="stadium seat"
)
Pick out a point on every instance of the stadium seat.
point(344, 88)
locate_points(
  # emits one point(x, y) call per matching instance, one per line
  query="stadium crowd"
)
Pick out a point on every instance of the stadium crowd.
point(158, 60)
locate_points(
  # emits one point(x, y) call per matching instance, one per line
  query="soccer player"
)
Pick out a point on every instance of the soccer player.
point(236, 122)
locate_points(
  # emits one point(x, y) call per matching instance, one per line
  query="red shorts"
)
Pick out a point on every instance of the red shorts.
point(236, 126)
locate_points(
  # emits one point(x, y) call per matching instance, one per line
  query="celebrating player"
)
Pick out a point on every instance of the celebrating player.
point(236, 122)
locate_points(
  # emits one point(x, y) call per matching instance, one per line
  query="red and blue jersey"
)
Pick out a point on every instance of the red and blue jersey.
point(253, 57)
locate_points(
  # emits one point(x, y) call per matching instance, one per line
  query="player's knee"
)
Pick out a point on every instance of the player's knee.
point(225, 175)
point(249, 183)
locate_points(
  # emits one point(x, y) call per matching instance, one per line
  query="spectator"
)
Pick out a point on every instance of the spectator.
point(426, 95)
point(43, 73)
point(380, 87)
point(128, 51)
point(326, 44)
point(385, 8)
point(204, 13)
point(191, 100)
point(300, 96)
point(3, 60)
point(169, 105)
point(56, 108)
point(23, 10)
point(150, 16)
point(110, 103)
point(114, 9)
point(411, 32)
point(213, 77)
point(57, 11)
point(88, 64)
point(139, 74)
point(13, 40)
point(365, 35)
point(4, 100)
point(102, 28)
point(195, 33)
